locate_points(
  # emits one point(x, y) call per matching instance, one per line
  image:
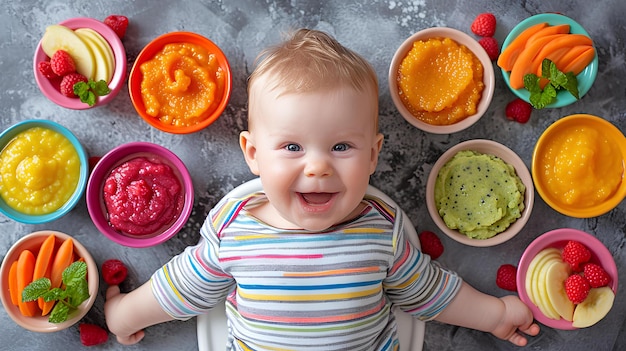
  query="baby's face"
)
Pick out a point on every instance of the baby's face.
point(314, 153)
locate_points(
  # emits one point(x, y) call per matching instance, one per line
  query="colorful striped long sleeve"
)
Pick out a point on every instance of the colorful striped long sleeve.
point(297, 290)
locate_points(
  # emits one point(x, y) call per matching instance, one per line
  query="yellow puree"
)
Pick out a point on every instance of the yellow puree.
point(182, 84)
point(440, 81)
point(581, 167)
point(39, 171)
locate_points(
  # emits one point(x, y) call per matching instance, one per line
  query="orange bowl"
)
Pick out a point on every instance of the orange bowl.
point(154, 47)
point(589, 171)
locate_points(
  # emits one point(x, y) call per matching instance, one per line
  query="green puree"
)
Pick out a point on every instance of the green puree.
point(478, 194)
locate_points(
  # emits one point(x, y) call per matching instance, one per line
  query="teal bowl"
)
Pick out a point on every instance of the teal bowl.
point(9, 134)
point(585, 78)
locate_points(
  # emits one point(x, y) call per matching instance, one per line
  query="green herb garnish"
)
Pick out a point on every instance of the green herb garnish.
point(88, 92)
point(75, 290)
point(557, 80)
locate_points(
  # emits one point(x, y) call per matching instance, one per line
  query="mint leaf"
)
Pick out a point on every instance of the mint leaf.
point(59, 313)
point(572, 84)
point(35, 289)
point(88, 92)
point(75, 290)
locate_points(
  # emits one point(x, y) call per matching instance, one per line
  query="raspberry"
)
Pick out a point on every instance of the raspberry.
point(114, 271)
point(91, 334)
point(596, 275)
point(491, 47)
point(518, 110)
point(118, 23)
point(484, 25)
point(45, 69)
point(68, 81)
point(577, 288)
point(62, 63)
point(575, 254)
point(430, 243)
point(506, 277)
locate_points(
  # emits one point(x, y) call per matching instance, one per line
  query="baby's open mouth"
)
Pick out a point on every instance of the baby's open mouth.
point(316, 198)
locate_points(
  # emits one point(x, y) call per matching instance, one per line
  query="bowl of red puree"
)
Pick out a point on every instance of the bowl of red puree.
point(139, 194)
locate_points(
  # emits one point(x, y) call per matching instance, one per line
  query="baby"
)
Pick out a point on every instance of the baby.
point(312, 262)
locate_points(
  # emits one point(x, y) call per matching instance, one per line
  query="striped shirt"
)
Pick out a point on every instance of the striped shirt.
point(298, 290)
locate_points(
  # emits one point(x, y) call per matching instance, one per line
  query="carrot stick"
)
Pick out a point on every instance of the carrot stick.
point(43, 261)
point(62, 260)
point(511, 52)
point(583, 60)
point(549, 30)
point(523, 64)
point(13, 290)
point(25, 268)
point(573, 53)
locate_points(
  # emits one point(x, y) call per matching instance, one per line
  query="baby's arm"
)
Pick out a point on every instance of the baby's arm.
point(128, 314)
point(503, 317)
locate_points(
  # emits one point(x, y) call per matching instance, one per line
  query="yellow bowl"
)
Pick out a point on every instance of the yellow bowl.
point(614, 141)
point(33, 242)
point(463, 39)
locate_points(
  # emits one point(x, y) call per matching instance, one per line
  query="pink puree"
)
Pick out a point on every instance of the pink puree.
point(142, 196)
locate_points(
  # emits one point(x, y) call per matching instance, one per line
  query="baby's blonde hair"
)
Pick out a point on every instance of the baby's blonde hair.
point(310, 60)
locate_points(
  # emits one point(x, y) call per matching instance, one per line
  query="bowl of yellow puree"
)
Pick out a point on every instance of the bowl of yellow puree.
point(578, 166)
point(43, 171)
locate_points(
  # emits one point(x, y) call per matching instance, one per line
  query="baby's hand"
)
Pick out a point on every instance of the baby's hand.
point(115, 317)
point(517, 318)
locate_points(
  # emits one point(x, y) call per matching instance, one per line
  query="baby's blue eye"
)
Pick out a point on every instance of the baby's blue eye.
point(341, 147)
point(293, 147)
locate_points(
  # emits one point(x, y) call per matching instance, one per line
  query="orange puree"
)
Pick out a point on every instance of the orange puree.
point(581, 167)
point(440, 81)
point(182, 84)
point(39, 169)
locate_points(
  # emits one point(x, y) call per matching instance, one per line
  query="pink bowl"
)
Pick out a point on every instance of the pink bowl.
point(50, 88)
point(558, 238)
point(95, 201)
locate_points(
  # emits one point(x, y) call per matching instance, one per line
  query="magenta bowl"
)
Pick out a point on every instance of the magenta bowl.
point(558, 238)
point(50, 87)
point(114, 158)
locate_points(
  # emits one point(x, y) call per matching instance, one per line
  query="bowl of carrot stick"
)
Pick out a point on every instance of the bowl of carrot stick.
point(49, 281)
point(541, 43)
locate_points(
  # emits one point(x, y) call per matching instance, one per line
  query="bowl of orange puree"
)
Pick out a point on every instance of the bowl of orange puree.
point(180, 82)
point(578, 166)
point(43, 171)
point(441, 80)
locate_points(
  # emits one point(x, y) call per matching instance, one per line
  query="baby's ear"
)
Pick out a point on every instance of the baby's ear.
point(376, 147)
point(246, 142)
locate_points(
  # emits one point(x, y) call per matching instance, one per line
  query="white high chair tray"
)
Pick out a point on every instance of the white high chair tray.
point(213, 332)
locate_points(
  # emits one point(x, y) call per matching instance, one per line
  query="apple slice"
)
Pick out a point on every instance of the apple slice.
point(555, 286)
point(101, 69)
point(595, 307)
point(532, 272)
point(546, 306)
point(104, 50)
point(59, 37)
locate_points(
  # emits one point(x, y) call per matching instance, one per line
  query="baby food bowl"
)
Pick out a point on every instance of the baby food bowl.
point(154, 47)
point(50, 87)
point(585, 78)
point(463, 39)
point(558, 238)
point(592, 170)
point(27, 218)
point(505, 154)
point(114, 158)
point(33, 242)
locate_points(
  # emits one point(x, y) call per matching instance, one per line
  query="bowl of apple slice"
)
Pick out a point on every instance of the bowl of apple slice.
point(568, 279)
point(96, 53)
